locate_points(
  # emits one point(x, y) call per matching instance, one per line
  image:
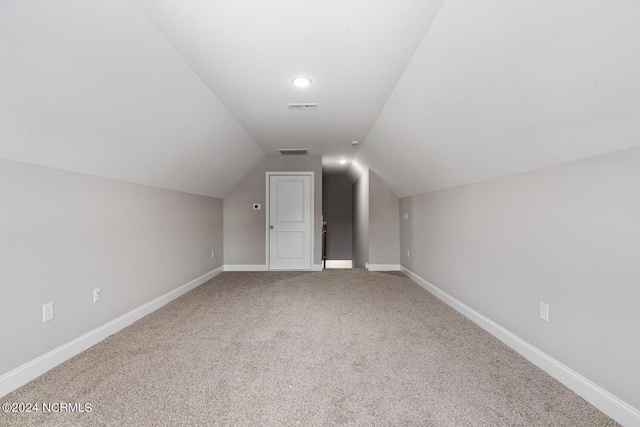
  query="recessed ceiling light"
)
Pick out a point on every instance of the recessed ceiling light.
point(301, 81)
point(343, 162)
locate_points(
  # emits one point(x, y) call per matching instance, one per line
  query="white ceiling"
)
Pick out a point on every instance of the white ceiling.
point(190, 95)
point(247, 52)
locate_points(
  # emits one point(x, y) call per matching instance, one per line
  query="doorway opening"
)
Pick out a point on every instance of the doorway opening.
point(337, 200)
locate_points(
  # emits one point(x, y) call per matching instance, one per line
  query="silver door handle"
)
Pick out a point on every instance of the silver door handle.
point(271, 227)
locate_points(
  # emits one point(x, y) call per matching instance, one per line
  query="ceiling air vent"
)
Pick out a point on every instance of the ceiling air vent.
point(311, 106)
point(288, 151)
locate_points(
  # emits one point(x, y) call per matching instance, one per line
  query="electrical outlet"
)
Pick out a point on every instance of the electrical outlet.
point(96, 294)
point(406, 216)
point(544, 311)
point(47, 312)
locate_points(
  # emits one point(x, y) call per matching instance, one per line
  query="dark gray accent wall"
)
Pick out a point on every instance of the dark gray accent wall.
point(337, 210)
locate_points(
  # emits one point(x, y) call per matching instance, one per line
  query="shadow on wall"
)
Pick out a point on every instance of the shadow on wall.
point(337, 198)
point(376, 229)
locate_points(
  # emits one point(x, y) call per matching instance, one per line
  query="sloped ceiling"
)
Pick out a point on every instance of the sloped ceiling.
point(190, 95)
point(93, 87)
point(247, 52)
point(499, 87)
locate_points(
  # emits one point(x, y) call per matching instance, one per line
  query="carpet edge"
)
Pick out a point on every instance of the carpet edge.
point(29, 371)
point(606, 402)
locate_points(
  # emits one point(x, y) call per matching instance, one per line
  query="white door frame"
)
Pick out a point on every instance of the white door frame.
point(268, 212)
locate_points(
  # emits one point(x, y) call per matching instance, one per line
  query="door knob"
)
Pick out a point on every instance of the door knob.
point(271, 227)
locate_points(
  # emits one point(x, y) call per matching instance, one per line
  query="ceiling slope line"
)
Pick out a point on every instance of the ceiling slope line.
point(356, 168)
point(198, 75)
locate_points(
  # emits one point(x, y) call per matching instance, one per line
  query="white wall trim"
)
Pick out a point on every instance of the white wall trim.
point(245, 267)
point(338, 263)
point(38, 366)
point(617, 409)
point(383, 267)
point(262, 267)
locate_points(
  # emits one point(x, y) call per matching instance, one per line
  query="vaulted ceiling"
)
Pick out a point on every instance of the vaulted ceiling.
point(190, 95)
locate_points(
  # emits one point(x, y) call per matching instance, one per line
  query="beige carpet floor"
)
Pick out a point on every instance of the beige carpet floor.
point(338, 347)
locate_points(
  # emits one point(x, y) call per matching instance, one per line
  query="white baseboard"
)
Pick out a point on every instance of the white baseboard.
point(335, 263)
point(261, 267)
point(383, 267)
point(33, 369)
point(245, 267)
point(617, 409)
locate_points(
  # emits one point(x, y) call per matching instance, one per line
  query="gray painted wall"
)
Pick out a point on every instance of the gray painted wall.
point(567, 235)
point(376, 233)
point(337, 211)
point(244, 228)
point(63, 234)
point(360, 237)
point(384, 230)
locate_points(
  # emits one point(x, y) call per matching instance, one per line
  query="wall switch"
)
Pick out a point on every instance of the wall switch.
point(96, 294)
point(406, 216)
point(544, 311)
point(408, 253)
point(47, 312)
point(256, 206)
point(213, 253)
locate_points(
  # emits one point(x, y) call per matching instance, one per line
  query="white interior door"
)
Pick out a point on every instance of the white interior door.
point(289, 222)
